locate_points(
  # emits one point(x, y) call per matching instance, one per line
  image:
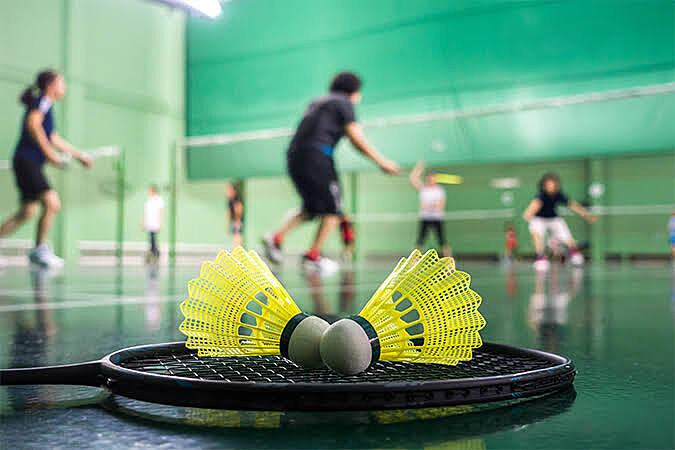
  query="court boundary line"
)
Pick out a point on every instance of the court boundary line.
point(110, 300)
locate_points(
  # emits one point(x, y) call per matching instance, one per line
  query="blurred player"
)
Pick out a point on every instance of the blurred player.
point(671, 229)
point(154, 206)
point(235, 214)
point(35, 147)
point(432, 205)
point(542, 216)
point(510, 244)
point(311, 167)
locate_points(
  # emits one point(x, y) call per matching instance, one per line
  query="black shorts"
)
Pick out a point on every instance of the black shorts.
point(425, 226)
point(29, 179)
point(316, 181)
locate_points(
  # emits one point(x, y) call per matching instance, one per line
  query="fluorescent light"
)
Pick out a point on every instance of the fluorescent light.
point(209, 8)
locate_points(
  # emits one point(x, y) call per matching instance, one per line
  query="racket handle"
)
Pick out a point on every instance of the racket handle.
point(84, 374)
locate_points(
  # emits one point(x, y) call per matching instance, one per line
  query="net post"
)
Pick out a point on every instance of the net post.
point(354, 186)
point(597, 178)
point(121, 183)
point(173, 183)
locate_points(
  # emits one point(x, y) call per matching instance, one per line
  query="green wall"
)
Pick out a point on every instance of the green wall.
point(258, 65)
point(123, 61)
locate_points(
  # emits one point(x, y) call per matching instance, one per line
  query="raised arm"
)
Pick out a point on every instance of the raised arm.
point(416, 175)
point(532, 209)
point(583, 212)
point(34, 126)
point(66, 147)
point(358, 140)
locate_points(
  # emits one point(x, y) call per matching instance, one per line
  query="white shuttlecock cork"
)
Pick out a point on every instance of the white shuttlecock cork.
point(237, 307)
point(423, 312)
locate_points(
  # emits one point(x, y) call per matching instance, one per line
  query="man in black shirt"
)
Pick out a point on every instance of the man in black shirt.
point(542, 216)
point(311, 166)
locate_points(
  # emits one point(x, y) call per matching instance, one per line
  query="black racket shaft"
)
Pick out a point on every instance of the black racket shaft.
point(83, 374)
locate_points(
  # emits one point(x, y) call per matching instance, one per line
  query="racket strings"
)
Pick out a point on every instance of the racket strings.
point(275, 369)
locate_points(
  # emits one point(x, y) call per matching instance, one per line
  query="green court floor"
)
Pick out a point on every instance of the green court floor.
point(615, 322)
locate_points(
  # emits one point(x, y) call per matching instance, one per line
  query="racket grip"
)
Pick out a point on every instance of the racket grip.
point(84, 374)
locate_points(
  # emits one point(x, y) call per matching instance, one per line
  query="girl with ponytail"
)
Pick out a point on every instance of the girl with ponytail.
point(37, 143)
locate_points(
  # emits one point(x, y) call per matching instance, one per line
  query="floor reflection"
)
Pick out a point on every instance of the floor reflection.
point(153, 312)
point(547, 312)
point(34, 332)
point(459, 426)
point(347, 291)
point(322, 295)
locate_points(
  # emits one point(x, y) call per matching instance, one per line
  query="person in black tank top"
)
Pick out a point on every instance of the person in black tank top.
point(37, 142)
point(312, 169)
point(542, 217)
point(235, 214)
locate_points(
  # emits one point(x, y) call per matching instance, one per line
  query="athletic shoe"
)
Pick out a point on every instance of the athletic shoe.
point(272, 249)
point(541, 264)
point(323, 266)
point(577, 259)
point(44, 257)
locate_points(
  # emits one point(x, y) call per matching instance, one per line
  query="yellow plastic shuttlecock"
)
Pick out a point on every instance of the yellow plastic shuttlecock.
point(423, 312)
point(237, 307)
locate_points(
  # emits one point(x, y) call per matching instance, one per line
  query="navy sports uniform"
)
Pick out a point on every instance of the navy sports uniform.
point(546, 219)
point(28, 157)
point(234, 227)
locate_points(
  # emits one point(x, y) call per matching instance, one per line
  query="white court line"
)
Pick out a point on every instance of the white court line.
point(507, 213)
point(469, 214)
point(110, 300)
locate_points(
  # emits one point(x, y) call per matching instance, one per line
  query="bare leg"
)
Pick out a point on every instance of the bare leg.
point(326, 227)
point(538, 242)
point(26, 211)
point(447, 250)
point(51, 205)
point(292, 221)
point(237, 240)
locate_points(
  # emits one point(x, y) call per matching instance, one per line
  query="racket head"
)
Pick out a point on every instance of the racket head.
point(174, 375)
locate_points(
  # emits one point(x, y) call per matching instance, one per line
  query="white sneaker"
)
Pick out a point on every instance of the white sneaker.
point(541, 264)
point(323, 266)
point(577, 259)
point(44, 257)
point(272, 250)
